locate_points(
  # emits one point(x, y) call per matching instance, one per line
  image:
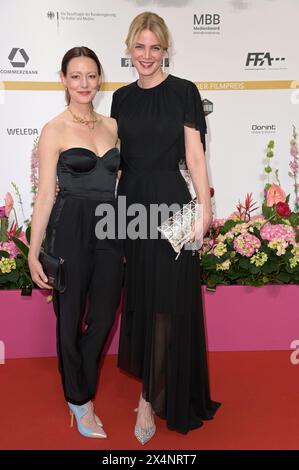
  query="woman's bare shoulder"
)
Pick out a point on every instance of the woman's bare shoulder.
point(52, 133)
point(56, 124)
point(54, 129)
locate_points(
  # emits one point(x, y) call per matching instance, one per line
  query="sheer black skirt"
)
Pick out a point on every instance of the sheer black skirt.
point(162, 339)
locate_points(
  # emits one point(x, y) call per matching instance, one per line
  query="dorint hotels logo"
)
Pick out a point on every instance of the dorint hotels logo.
point(206, 23)
point(18, 59)
point(264, 61)
point(263, 128)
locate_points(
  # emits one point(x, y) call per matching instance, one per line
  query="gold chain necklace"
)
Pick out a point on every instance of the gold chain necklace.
point(90, 123)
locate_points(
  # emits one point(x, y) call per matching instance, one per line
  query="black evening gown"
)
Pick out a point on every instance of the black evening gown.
point(162, 339)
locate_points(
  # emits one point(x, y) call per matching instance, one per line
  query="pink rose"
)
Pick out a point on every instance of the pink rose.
point(275, 194)
point(8, 204)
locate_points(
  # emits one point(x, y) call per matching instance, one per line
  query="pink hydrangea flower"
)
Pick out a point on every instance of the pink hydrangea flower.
point(10, 247)
point(246, 244)
point(278, 232)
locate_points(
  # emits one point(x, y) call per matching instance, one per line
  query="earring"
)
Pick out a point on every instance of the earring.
point(165, 63)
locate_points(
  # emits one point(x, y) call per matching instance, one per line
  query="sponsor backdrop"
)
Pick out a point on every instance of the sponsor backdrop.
point(241, 54)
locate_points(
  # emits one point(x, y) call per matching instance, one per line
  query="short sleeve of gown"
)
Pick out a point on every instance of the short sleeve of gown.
point(194, 114)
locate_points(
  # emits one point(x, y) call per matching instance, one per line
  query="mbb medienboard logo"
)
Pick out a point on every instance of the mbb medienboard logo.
point(206, 23)
point(263, 61)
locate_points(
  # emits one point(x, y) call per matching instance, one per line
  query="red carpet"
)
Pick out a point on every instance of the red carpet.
point(259, 392)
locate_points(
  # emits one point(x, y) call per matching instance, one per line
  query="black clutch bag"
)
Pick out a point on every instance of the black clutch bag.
point(54, 270)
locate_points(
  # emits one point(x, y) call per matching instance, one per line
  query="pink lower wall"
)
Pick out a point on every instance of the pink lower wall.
point(245, 318)
point(237, 319)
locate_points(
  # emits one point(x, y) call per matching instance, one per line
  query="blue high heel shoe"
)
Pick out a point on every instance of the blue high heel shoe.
point(95, 431)
point(96, 418)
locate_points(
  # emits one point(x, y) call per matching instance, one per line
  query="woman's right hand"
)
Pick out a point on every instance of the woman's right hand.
point(37, 274)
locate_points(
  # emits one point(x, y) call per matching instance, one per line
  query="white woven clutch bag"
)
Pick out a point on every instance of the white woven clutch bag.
point(177, 229)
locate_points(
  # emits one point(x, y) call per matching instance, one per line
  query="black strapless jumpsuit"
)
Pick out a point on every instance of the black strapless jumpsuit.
point(93, 267)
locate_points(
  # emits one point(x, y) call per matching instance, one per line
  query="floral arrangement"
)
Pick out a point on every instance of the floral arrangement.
point(243, 249)
point(259, 249)
point(14, 271)
point(14, 240)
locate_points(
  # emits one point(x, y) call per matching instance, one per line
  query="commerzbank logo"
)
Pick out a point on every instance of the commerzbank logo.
point(18, 57)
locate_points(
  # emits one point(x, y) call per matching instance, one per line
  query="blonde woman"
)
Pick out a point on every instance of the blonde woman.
point(160, 121)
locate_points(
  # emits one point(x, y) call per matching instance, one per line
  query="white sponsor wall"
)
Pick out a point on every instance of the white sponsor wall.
point(242, 54)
